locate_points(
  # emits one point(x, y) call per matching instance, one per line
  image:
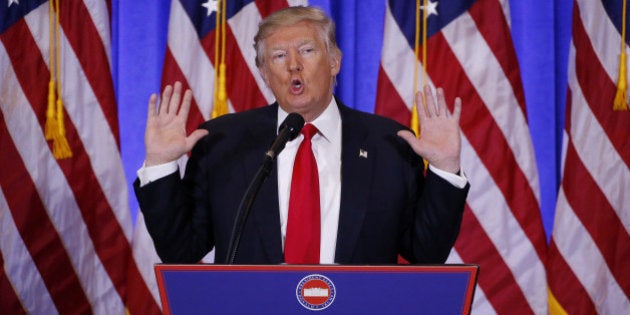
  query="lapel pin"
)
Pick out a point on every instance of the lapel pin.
point(363, 153)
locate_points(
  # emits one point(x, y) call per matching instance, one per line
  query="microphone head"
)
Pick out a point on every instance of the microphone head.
point(294, 123)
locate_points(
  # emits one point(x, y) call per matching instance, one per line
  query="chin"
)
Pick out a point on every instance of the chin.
point(299, 106)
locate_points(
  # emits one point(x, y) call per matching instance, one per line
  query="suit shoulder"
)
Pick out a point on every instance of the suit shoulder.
point(231, 131)
point(235, 121)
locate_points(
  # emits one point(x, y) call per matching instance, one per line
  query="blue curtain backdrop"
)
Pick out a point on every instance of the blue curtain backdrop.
point(541, 32)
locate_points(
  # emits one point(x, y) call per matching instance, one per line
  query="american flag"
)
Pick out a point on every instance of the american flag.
point(589, 251)
point(470, 54)
point(65, 227)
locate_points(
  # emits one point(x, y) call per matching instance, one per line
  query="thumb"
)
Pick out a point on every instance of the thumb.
point(407, 136)
point(192, 139)
point(411, 139)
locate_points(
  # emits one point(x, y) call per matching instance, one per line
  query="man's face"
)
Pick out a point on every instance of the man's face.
point(299, 70)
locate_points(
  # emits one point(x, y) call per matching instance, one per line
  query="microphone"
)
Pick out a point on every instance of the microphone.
point(289, 129)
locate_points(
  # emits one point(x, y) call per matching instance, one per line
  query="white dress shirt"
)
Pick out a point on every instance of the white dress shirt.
point(326, 146)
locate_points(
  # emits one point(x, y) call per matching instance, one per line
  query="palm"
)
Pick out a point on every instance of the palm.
point(165, 137)
point(439, 142)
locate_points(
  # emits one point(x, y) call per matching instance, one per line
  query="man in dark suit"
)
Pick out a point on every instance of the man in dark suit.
point(376, 202)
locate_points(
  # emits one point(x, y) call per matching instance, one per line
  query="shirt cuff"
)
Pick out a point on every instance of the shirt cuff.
point(147, 174)
point(456, 180)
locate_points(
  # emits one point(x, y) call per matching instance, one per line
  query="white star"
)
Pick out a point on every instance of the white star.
point(432, 9)
point(13, 1)
point(211, 5)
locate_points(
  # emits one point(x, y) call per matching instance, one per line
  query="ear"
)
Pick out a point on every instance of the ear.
point(335, 63)
point(263, 73)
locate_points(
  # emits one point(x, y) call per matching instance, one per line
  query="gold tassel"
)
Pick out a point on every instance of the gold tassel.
point(555, 308)
point(61, 147)
point(55, 129)
point(50, 128)
point(620, 103)
point(220, 97)
point(220, 86)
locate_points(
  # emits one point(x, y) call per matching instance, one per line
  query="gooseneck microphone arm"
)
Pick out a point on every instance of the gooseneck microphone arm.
point(289, 130)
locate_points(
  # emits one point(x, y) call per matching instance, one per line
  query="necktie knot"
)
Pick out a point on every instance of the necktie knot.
point(309, 131)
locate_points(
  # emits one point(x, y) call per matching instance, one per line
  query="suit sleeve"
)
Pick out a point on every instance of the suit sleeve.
point(176, 216)
point(437, 219)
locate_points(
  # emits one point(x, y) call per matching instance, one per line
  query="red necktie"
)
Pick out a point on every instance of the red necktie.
point(303, 227)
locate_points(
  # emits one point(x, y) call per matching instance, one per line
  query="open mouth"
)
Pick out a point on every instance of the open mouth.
point(296, 86)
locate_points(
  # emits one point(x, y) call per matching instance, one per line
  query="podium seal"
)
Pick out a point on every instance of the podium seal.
point(315, 292)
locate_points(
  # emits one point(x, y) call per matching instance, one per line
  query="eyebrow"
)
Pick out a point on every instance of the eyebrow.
point(301, 43)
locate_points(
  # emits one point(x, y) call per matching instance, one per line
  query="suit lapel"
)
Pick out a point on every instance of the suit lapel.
point(356, 175)
point(265, 214)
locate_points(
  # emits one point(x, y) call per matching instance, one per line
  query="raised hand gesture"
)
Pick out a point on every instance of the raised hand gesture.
point(439, 142)
point(165, 138)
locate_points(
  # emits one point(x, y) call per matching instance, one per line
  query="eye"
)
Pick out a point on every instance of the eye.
point(306, 51)
point(278, 57)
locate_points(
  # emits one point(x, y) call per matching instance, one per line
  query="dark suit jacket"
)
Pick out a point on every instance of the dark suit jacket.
point(387, 206)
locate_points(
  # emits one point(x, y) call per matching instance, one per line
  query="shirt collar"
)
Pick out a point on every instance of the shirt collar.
point(327, 123)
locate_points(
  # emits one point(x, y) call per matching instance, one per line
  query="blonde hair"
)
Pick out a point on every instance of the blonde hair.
point(291, 16)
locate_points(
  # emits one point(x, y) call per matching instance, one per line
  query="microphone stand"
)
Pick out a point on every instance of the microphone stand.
point(245, 207)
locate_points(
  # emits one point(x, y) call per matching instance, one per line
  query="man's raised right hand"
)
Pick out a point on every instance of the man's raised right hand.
point(165, 138)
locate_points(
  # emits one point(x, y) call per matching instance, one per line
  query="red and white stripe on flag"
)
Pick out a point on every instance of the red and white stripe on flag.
point(190, 60)
point(470, 55)
point(65, 227)
point(590, 247)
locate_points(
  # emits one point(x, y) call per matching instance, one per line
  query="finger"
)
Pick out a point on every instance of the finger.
point(407, 136)
point(457, 111)
point(185, 109)
point(194, 137)
point(441, 102)
point(420, 107)
point(411, 139)
point(176, 98)
point(152, 101)
point(430, 102)
point(166, 97)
